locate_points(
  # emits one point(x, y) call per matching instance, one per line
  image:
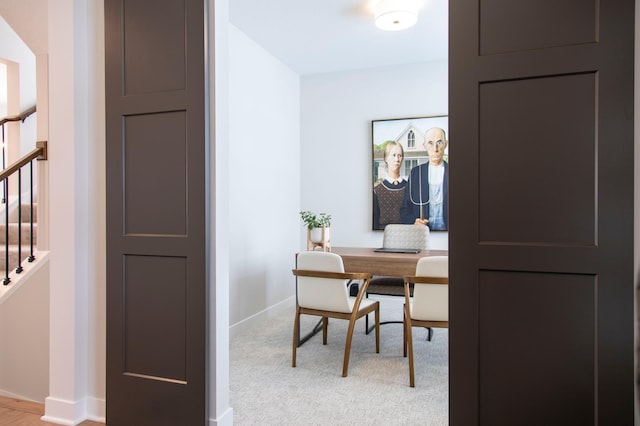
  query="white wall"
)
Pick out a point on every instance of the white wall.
point(264, 183)
point(96, 214)
point(15, 50)
point(21, 91)
point(336, 157)
point(218, 377)
point(24, 336)
point(76, 213)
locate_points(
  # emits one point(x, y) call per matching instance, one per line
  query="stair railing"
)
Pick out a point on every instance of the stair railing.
point(20, 117)
point(39, 153)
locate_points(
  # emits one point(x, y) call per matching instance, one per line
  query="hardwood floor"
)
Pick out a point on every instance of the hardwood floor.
point(14, 412)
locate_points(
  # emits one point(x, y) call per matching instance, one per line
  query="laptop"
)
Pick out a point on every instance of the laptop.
point(396, 250)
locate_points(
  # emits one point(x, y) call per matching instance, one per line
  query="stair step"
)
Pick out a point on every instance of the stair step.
point(25, 212)
point(13, 257)
point(25, 236)
point(13, 233)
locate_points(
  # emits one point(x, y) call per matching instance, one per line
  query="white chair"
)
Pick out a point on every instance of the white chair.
point(429, 305)
point(321, 290)
point(397, 236)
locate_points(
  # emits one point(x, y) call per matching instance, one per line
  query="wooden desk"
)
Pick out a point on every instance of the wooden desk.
point(363, 259)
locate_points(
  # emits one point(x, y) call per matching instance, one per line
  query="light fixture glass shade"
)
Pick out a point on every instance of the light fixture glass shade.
point(396, 15)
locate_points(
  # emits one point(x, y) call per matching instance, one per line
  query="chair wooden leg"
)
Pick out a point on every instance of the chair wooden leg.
point(410, 346)
point(296, 326)
point(325, 328)
point(347, 347)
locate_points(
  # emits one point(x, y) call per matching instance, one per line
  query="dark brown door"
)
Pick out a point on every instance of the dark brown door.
point(541, 212)
point(155, 212)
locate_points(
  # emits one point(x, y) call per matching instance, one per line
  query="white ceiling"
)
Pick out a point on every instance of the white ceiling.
point(28, 18)
point(309, 36)
point(335, 35)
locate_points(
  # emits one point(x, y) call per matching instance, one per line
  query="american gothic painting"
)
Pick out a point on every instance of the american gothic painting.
point(411, 172)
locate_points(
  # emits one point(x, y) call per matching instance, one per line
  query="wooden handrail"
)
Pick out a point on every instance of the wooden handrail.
point(23, 116)
point(40, 153)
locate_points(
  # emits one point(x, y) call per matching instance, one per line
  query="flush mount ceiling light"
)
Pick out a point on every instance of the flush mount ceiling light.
point(395, 15)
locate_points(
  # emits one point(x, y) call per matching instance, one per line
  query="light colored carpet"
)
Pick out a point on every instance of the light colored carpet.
point(266, 390)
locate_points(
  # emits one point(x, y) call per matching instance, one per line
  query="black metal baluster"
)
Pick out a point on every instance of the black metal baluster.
point(6, 280)
point(4, 182)
point(31, 256)
point(19, 268)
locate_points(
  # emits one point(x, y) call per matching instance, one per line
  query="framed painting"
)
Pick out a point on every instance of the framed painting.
point(411, 172)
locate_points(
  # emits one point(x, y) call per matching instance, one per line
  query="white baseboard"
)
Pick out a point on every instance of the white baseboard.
point(62, 412)
point(96, 410)
point(65, 412)
point(12, 395)
point(258, 318)
point(226, 419)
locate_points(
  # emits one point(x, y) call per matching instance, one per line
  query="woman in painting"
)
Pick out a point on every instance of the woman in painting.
point(389, 192)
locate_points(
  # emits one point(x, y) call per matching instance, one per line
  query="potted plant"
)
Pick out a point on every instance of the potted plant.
point(318, 229)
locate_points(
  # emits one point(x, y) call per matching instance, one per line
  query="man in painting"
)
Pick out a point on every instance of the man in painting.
point(389, 192)
point(426, 199)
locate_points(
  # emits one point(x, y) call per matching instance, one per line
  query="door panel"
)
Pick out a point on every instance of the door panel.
point(155, 212)
point(536, 165)
point(541, 212)
point(554, 362)
point(167, 150)
point(518, 26)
